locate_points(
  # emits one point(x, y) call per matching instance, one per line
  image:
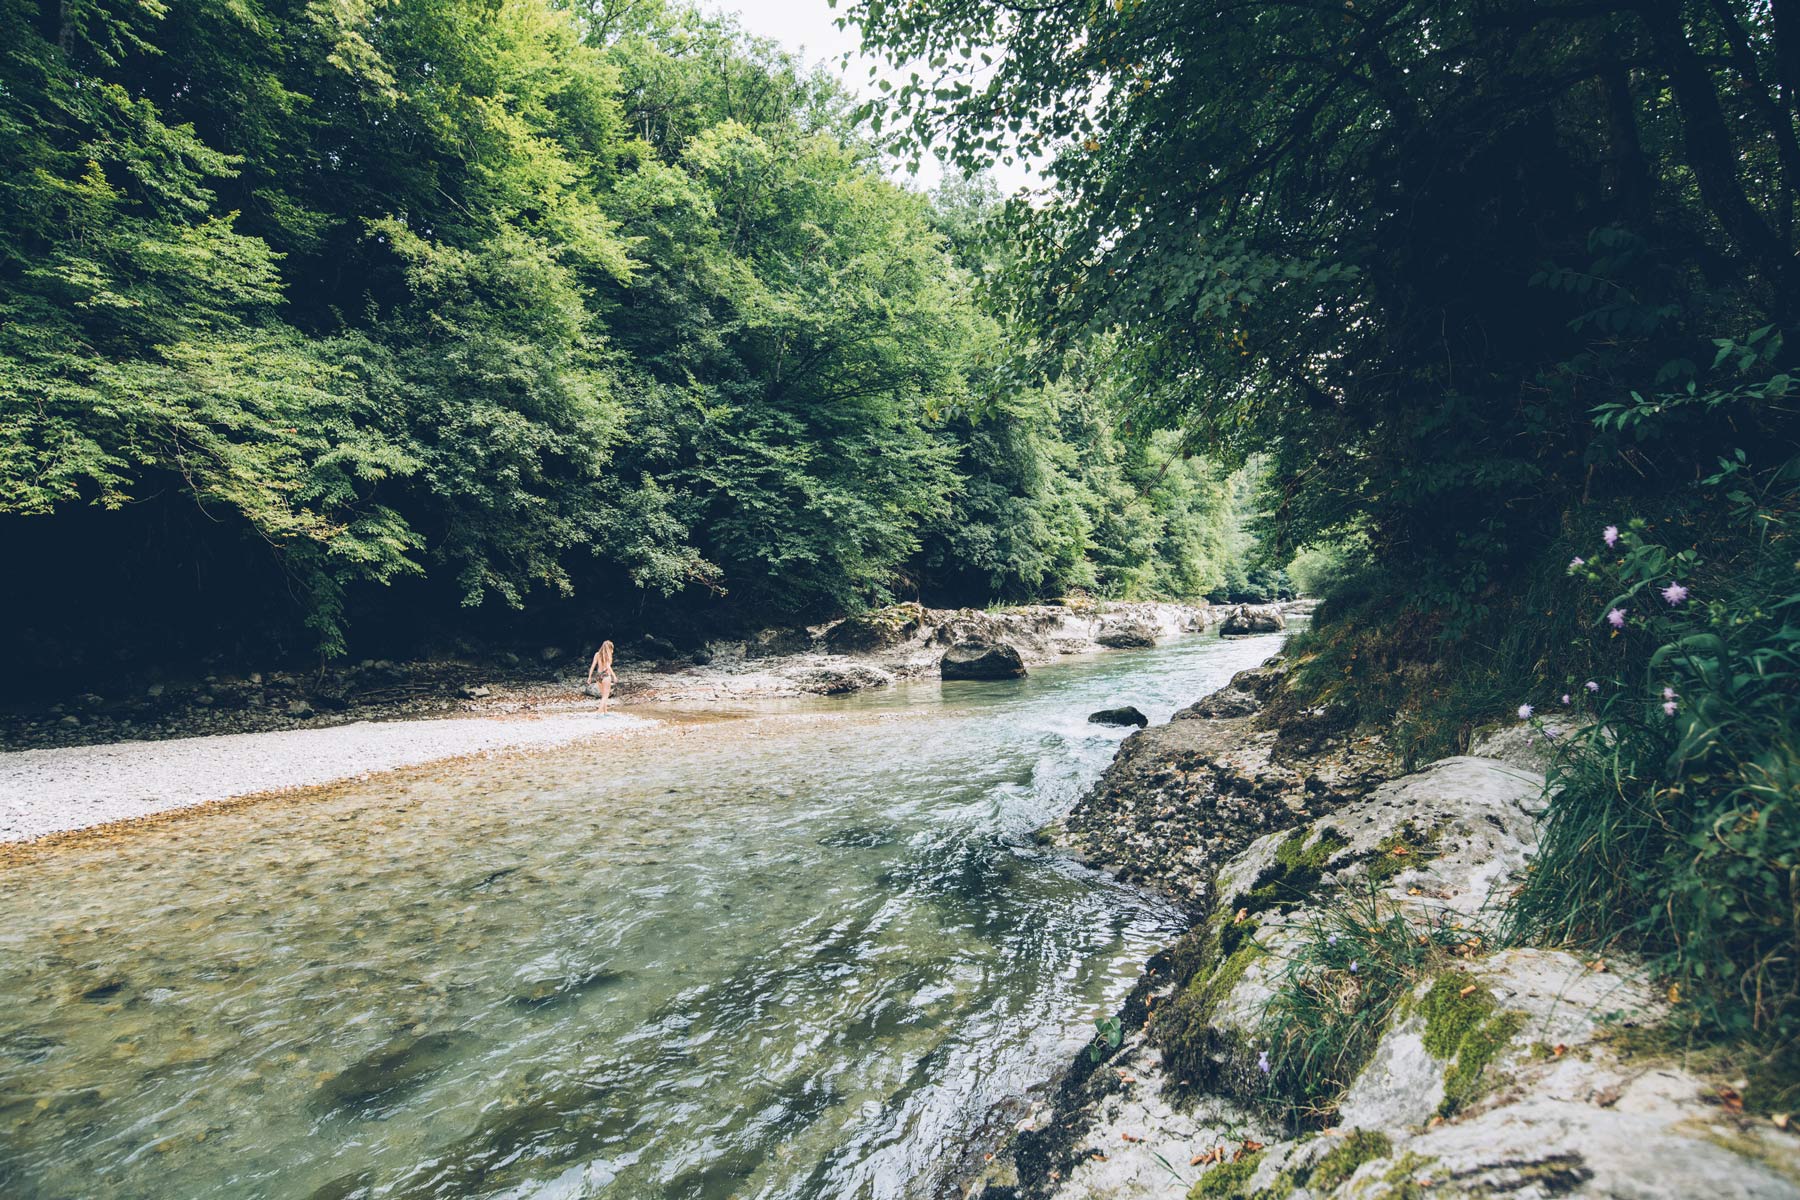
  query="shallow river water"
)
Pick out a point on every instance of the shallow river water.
point(804, 953)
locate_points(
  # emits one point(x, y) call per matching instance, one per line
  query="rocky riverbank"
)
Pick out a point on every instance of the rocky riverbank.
point(1340, 1021)
point(876, 649)
point(228, 737)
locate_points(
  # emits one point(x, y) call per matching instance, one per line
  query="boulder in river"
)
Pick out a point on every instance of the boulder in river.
point(1127, 634)
point(1253, 618)
point(982, 660)
point(1128, 715)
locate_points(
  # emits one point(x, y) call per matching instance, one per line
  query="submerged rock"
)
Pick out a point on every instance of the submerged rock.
point(385, 1076)
point(982, 660)
point(1127, 715)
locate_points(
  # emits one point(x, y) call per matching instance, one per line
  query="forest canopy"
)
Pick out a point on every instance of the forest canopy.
point(368, 315)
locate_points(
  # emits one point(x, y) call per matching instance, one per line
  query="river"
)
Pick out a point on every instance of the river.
point(802, 953)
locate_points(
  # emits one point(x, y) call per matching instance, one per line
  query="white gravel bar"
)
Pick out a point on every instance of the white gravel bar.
point(51, 791)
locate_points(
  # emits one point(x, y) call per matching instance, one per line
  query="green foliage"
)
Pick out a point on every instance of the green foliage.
point(1399, 251)
point(1675, 826)
point(533, 300)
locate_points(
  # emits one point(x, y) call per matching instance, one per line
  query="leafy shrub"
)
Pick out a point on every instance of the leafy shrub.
point(1674, 827)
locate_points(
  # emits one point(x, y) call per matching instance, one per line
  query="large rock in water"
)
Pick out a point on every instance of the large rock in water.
point(1127, 634)
point(1129, 715)
point(982, 660)
point(1252, 618)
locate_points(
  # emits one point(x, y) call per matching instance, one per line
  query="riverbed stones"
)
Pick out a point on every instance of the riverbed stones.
point(982, 660)
point(1128, 715)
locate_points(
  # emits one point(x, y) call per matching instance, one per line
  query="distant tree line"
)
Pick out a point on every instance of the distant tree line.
point(377, 317)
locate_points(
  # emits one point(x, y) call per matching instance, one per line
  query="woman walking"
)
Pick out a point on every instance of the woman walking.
point(600, 672)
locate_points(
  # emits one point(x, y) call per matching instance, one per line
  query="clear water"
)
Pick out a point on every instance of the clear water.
point(799, 954)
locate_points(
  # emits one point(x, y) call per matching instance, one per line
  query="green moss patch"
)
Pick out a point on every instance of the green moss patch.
point(1467, 1028)
point(1214, 961)
point(1402, 850)
point(1291, 879)
point(1227, 1181)
point(1358, 1147)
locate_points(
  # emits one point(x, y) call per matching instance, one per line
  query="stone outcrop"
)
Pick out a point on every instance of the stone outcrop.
point(841, 679)
point(1182, 798)
point(1253, 618)
point(1127, 634)
point(975, 659)
point(876, 630)
point(1492, 1071)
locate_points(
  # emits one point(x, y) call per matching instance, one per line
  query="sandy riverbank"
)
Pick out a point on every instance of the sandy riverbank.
point(77, 787)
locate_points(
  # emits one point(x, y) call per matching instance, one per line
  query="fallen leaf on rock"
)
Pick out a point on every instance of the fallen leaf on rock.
point(1607, 1097)
point(1599, 964)
point(1559, 1049)
point(1126, 1137)
point(1728, 1096)
point(1780, 1119)
point(1469, 990)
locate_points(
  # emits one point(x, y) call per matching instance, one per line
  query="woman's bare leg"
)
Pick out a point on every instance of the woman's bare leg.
point(605, 692)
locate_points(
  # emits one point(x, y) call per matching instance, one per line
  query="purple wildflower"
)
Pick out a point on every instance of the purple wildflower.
point(1525, 711)
point(1616, 618)
point(1674, 593)
point(1669, 707)
point(1332, 940)
point(1611, 535)
point(1591, 686)
point(1353, 966)
point(1668, 693)
point(1577, 561)
point(1565, 699)
point(1262, 1062)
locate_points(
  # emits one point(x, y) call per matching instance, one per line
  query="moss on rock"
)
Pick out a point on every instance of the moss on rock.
point(1227, 1181)
point(1358, 1147)
point(1465, 1026)
point(1401, 850)
point(1290, 880)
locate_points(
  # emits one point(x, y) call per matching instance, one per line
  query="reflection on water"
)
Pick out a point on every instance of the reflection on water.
point(790, 956)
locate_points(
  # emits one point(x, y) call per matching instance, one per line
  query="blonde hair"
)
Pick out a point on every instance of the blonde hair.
point(606, 655)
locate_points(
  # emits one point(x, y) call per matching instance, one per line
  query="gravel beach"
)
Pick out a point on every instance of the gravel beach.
point(55, 790)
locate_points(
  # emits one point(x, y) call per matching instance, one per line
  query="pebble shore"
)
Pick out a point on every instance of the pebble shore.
point(75, 787)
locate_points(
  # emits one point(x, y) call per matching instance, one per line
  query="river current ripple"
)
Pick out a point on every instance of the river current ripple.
point(799, 955)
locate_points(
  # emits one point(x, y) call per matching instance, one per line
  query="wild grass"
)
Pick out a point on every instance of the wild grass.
point(1357, 963)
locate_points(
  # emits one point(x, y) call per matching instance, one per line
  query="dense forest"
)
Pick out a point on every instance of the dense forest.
point(361, 325)
point(1506, 292)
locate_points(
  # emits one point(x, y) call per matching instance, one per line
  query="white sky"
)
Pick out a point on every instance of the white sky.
point(808, 28)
